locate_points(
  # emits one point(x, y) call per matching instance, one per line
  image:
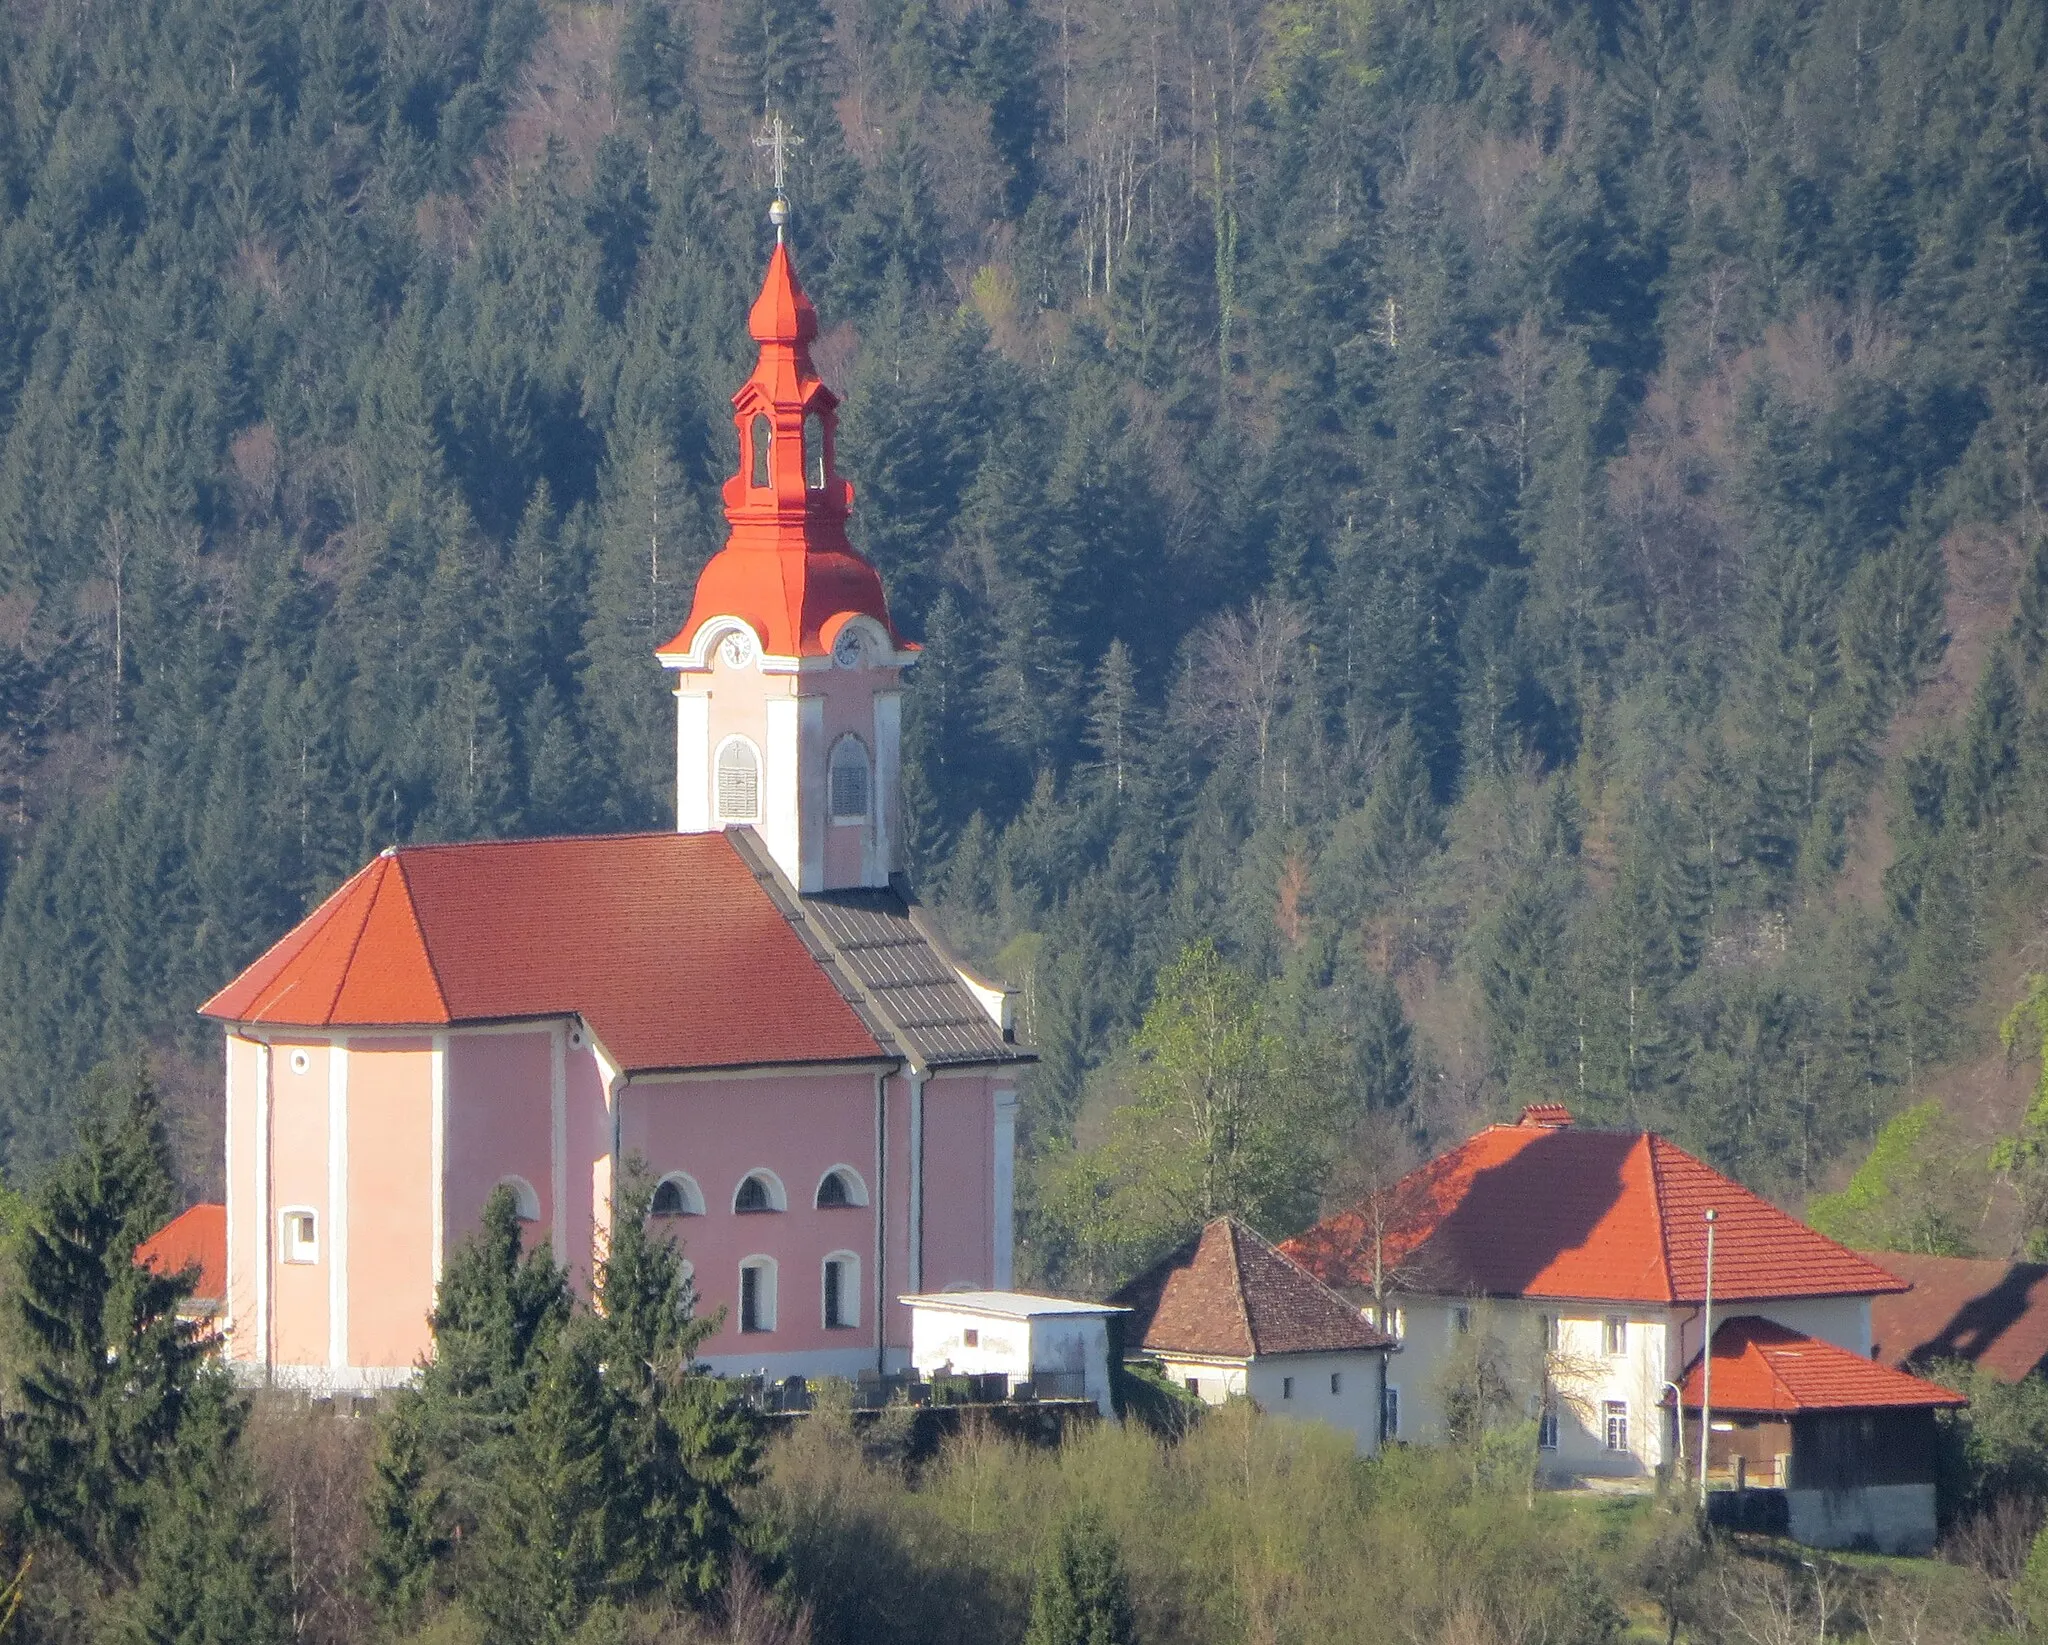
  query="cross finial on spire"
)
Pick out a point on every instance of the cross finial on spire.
point(778, 139)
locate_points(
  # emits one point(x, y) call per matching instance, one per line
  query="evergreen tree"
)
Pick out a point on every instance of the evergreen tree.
point(1082, 1596)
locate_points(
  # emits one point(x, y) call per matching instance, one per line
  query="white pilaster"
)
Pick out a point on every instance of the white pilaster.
point(1004, 1267)
point(917, 1182)
point(780, 791)
point(264, 1232)
point(812, 800)
point(337, 1204)
point(885, 837)
point(439, 1151)
point(233, 1210)
point(693, 762)
point(558, 1138)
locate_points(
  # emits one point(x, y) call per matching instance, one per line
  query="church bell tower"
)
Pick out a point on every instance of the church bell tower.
point(789, 670)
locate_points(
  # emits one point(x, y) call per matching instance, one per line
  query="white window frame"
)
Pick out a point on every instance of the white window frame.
point(833, 762)
point(849, 1291)
point(764, 1295)
point(1390, 1411)
point(727, 746)
point(525, 1198)
point(778, 1200)
point(1394, 1321)
point(1614, 1336)
point(686, 1187)
point(1553, 1332)
point(856, 1189)
point(291, 1246)
point(1547, 1425)
point(1614, 1426)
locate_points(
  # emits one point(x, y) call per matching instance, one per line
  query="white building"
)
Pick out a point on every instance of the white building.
point(1060, 1347)
point(1576, 1260)
point(1227, 1314)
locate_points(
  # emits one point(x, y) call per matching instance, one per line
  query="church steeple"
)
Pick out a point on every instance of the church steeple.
point(788, 668)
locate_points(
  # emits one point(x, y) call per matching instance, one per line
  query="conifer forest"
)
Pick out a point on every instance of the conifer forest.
point(1498, 549)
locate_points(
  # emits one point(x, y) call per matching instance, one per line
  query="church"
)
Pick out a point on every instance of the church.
point(753, 1009)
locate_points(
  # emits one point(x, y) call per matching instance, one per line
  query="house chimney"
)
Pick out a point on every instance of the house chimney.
point(1546, 1116)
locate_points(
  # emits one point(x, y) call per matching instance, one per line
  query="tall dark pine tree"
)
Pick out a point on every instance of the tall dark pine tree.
point(1082, 1596)
point(106, 1366)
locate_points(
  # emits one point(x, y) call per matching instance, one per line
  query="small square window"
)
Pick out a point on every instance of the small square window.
point(971, 1338)
point(301, 1237)
point(1336, 1382)
point(1614, 1335)
point(1287, 1387)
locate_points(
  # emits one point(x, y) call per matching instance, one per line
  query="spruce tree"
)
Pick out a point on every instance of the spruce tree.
point(106, 1366)
point(1082, 1596)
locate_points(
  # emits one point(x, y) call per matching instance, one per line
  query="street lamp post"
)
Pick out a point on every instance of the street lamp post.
point(1707, 1364)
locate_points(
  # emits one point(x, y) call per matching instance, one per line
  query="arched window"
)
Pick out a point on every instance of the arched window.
point(739, 782)
point(814, 451)
point(676, 1195)
point(764, 437)
point(525, 1202)
point(842, 1291)
point(841, 1186)
point(849, 784)
point(759, 1191)
point(757, 1294)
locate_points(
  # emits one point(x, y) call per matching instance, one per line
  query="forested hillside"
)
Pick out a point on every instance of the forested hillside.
point(1457, 502)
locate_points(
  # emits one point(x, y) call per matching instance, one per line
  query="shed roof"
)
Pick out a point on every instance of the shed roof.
point(1006, 1304)
point(1762, 1366)
point(1229, 1294)
point(1545, 1208)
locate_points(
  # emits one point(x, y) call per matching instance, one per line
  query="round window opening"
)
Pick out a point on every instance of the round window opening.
point(301, 1062)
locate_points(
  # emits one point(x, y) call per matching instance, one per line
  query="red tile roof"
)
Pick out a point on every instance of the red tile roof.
point(1993, 1314)
point(665, 944)
point(1760, 1365)
point(195, 1238)
point(1227, 1293)
point(1544, 1209)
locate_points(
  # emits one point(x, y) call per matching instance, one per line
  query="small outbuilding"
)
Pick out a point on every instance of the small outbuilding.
point(1847, 1445)
point(1228, 1314)
point(1059, 1346)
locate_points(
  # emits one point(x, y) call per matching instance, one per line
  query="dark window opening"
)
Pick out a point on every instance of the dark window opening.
point(764, 436)
point(669, 1201)
point(753, 1196)
point(814, 452)
point(835, 1312)
point(750, 1299)
point(832, 1192)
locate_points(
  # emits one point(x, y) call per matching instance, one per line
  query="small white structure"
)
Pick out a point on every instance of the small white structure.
point(1228, 1315)
point(1060, 1347)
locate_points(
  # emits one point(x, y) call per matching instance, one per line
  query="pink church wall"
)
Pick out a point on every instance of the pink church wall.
point(391, 1204)
point(959, 1178)
point(245, 1151)
point(500, 1124)
point(298, 1174)
point(798, 1127)
point(898, 1278)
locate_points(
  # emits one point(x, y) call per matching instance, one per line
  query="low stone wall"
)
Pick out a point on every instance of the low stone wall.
point(1892, 1519)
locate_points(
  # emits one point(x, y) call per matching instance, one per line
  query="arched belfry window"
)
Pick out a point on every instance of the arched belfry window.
point(849, 780)
point(764, 437)
point(739, 782)
point(814, 451)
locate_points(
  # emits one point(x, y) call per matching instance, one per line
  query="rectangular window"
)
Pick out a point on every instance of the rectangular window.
point(1546, 1426)
point(971, 1338)
point(1614, 1335)
point(757, 1297)
point(1287, 1387)
point(301, 1237)
point(1195, 1386)
point(1461, 1319)
point(1617, 1425)
point(1390, 1412)
point(1553, 1333)
point(1393, 1321)
point(835, 1280)
point(1336, 1382)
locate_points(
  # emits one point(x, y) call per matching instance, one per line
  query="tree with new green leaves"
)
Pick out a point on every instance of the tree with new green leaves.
point(1082, 1596)
point(1911, 1193)
point(2022, 1158)
point(106, 1365)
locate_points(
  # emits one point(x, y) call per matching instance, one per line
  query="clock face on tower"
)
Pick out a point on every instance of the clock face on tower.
point(738, 650)
point(849, 650)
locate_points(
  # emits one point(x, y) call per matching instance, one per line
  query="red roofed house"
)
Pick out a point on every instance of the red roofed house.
point(1849, 1443)
point(1227, 1314)
point(1588, 1249)
point(1993, 1314)
point(752, 1005)
point(195, 1240)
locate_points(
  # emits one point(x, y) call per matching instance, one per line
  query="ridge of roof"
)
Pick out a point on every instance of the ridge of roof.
point(1239, 1282)
point(426, 941)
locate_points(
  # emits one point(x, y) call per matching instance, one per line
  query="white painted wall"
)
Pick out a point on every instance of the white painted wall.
point(1299, 1386)
point(1019, 1348)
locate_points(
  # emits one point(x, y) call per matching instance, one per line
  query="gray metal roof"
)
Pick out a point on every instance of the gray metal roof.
point(893, 967)
point(879, 938)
